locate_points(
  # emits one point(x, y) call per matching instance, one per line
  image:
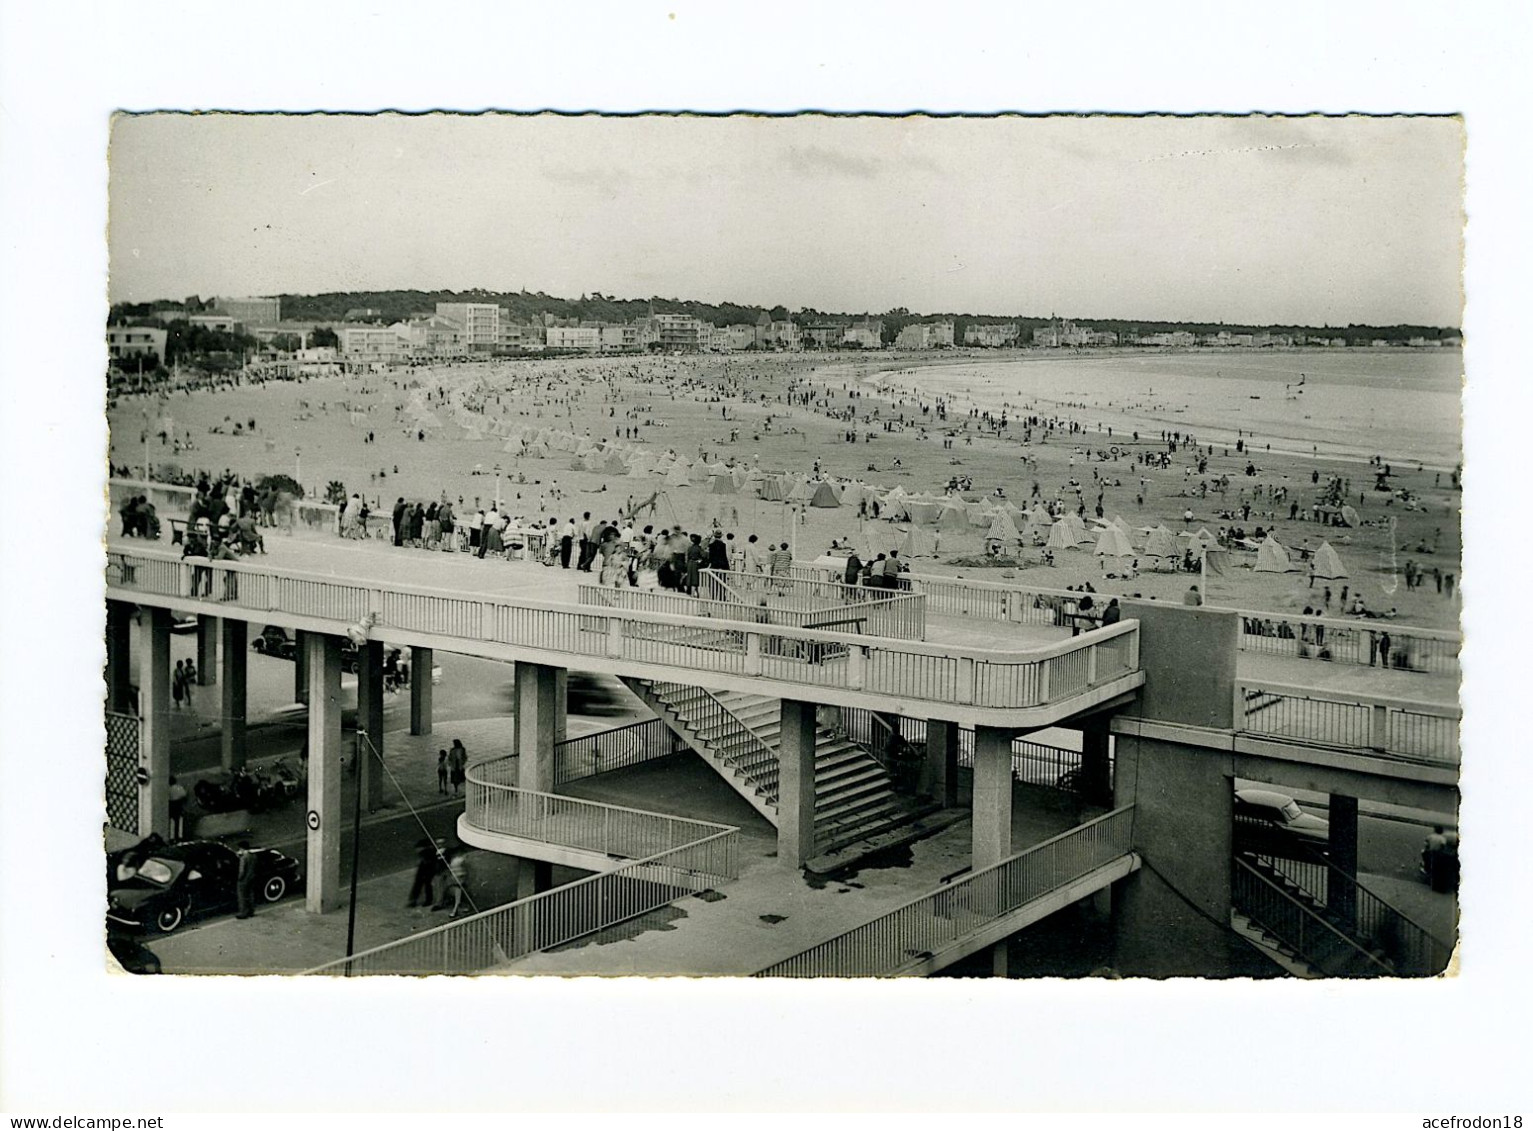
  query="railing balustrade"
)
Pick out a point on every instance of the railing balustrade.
point(924, 926)
point(614, 749)
point(814, 657)
point(1314, 939)
point(1403, 730)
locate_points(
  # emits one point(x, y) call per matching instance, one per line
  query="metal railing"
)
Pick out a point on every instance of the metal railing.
point(896, 613)
point(513, 930)
point(614, 749)
point(718, 729)
point(573, 822)
point(1037, 763)
point(806, 657)
point(933, 922)
point(1357, 910)
point(1318, 942)
point(1409, 731)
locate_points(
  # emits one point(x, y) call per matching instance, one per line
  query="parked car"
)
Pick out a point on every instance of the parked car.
point(191, 879)
point(274, 641)
point(1265, 811)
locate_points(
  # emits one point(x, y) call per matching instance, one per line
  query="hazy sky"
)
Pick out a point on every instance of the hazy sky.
point(1240, 220)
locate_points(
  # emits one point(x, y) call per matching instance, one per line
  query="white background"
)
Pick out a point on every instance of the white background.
point(73, 1039)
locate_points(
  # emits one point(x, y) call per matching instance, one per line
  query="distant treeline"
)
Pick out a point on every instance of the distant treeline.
point(526, 306)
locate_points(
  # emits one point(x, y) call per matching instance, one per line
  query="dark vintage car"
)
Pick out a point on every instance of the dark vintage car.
point(274, 641)
point(193, 878)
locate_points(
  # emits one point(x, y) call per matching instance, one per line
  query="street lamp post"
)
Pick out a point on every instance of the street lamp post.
point(497, 486)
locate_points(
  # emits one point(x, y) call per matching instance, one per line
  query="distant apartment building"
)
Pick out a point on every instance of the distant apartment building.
point(519, 335)
point(823, 335)
point(135, 341)
point(680, 332)
point(586, 338)
point(480, 322)
point(220, 322)
point(925, 336)
point(1178, 338)
point(738, 336)
point(777, 334)
point(431, 336)
point(250, 312)
point(990, 335)
point(363, 346)
point(865, 335)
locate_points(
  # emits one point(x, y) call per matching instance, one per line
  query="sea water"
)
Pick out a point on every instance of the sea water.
point(1401, 404)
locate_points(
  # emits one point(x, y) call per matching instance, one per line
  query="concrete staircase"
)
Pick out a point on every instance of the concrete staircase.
point(1295, 929)
point(738, 734)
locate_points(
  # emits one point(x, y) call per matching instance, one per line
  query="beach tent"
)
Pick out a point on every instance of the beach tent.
point(1002, 529)
point(1075, 528)
point(755, 475)
point(677, 476)
point(1039, 517)
point(800, 491)
point(614, 464)
point(1271, 557)
point(1114, 543)
point(1162, 544)
point(1328, 564)
point(1122, 524)
point(721, 485)
point(698, 474)
point(917, 543)
point(954, 519)
point(825, 495)
point(923, 508)
point(852, 494)
point(1060, 537)
point(875, 540)
point(771, 489)
point(738, 477)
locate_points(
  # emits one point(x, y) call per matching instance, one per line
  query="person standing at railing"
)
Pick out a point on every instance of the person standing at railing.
point(853, 569)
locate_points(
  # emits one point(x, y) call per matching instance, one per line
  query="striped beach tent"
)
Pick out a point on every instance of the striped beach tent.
point(1162, 544)
point(1114, 543)
point(1271, 557)
point(1328, 563)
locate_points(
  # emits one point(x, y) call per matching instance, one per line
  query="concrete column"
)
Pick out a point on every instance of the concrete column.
point(795, 784)
point(420, 690)
point(1341, 895)
point(370, 719)
point(207, 650)
point(232, 716)
point(537, 715)
point(300, 666)
point(324, 820)
point(533, 877)
point(941, 771)
point(992, 796)
point(1096, 770)
point(119, 633)
point(562, 695)
point(154, 709)
point(1170, 917)
point(1000, 959)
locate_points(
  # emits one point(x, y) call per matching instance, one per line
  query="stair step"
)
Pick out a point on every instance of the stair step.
point(849, 775)
point(853, 805)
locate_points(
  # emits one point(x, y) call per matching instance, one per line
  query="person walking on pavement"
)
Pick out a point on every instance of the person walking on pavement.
point(178, 684)
point(245, 881)
point(177, 809)
point(421, 894)
point(457, 765)
point(441, 771)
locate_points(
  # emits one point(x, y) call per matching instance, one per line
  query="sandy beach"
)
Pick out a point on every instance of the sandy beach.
point(788, 413)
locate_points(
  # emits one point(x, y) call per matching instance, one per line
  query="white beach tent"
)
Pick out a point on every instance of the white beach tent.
point(1271, 557)
point(1039, 517)
point(923, 508)
point(1060, 537)
point(1002, 529)
point(825, 495)
point(1328, 564)
point(1114, 543)
point(917, 543)
point(677, 476)
point(1161, 544)
point(954, 519)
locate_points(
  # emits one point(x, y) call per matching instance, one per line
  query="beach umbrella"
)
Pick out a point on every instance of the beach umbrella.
point(825, 495)
point(1350, 517)
point(1114, 543)
point(1328, 563)
point(1271, 557)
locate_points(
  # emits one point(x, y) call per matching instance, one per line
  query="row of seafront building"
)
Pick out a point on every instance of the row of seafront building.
point(464, 329)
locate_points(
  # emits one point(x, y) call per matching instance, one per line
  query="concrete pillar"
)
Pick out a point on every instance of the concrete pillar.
point(941, 771)
point(154, 709)
point(1000, 959)
point(324, 820)
point(795, 784)
point(992, 796)
point(420, 690)
point(207, 650)
point(533, 877)
point(370, 719)
point(537, 712)
point(562, 695)
point(232, 716)
point(119, 633)
point(1341, 895)
point(300, 666)
point(1171, 917)
point(1096, 770)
